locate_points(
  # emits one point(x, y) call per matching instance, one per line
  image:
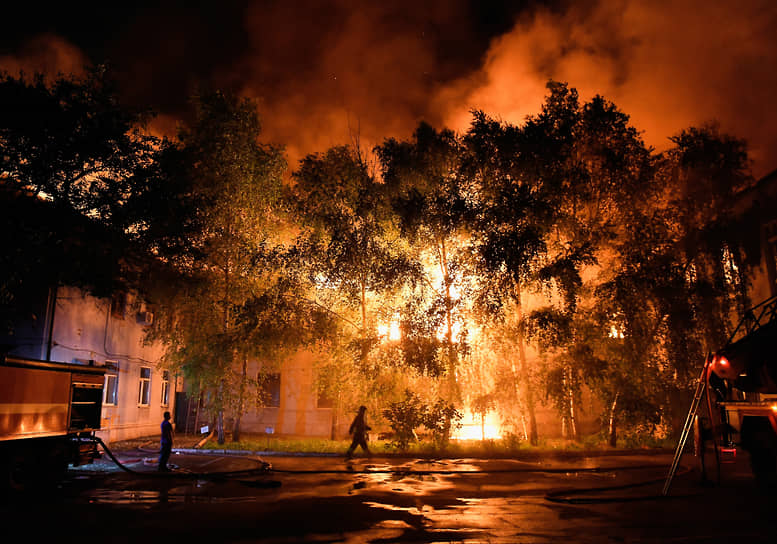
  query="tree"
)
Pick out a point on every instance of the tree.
point(666, 294)
point(349, 249)
point(601, 171)
point(430, 198)
point(229, 182)
point(72, 142)
point(71, 156)
point(510, 231)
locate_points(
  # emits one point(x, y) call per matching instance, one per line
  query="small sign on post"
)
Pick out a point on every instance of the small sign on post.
point(204, 430)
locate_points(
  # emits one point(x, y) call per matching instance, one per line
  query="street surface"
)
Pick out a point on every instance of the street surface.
point(221, 498)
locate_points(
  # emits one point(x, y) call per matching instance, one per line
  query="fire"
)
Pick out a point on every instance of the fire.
point(473, 428)
point(390, 331)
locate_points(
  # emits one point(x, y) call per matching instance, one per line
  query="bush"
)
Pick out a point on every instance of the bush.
point(407, 415)
point(441, 418)
point(404, 417)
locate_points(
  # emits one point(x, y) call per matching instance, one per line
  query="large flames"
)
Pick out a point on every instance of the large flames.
point(475, 427)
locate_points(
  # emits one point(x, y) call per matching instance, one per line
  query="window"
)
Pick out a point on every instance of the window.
point(269, 390)
point(119, 304)
point(165, 388)
point(144, 387)
point(111, 397)
point(324, 399)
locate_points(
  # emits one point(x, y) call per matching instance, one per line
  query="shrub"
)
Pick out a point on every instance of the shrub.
point(441, 418)
point(404, 417)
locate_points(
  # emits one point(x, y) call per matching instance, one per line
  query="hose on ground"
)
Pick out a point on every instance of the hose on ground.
point(571, 496)
point(568, 496)
point(262, 468)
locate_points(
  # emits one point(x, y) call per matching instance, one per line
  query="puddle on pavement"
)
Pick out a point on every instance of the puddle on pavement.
point(419, 477)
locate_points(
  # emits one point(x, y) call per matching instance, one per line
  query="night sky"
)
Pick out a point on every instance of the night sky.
point(324, 72)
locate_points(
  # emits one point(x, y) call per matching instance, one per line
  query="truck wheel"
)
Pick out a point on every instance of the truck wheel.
point(759, 439)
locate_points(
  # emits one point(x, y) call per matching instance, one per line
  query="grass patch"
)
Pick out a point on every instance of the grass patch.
point(508, 447)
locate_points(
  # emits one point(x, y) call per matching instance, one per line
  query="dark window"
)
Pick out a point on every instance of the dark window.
point(269, 390)
point(111, 383)
point(118, 304)
point(324, 400)
point(165, 388)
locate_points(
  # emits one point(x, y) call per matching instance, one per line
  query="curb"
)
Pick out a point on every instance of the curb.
point(256, 453)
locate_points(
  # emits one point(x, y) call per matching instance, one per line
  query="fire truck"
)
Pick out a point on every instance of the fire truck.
point(739, 383)
point(49, 412)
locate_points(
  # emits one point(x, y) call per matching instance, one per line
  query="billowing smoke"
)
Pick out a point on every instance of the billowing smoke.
point(47, 54)
point(669, 64)
point(327, 73)
point(336, 72)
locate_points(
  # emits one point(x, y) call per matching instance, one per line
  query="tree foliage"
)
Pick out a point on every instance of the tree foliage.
point(563, 250)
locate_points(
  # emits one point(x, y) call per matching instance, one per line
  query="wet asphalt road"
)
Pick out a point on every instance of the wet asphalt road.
point(220, 498)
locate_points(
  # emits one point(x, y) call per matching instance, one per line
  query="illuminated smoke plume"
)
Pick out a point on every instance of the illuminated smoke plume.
point(327, 72)
point(46, 53)
point(669, 64)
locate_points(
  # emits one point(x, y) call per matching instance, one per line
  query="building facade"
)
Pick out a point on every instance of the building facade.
point(756, 209)
point(73, 326)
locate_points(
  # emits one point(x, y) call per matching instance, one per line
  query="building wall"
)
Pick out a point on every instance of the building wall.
point(85, 329)
point(298, 414)
point(757, 210)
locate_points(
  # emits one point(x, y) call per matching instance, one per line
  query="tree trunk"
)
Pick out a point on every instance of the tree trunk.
point(220, 428)
point(572, 419)
point(525, 374)
point(220, 397)
point(197, 411)
point(570, 392)
point(240, 402)
point(336, 404)
point(453, 383)
point(516, 385)
point(220, 438)
point(612, 430)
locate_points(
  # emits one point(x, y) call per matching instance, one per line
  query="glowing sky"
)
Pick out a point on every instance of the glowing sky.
point(326, 71)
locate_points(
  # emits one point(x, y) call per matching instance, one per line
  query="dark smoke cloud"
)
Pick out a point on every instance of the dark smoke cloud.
point(325, 73)
point(45, 53)
point(329, 74)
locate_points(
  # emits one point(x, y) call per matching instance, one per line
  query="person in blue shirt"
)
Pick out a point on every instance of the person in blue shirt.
point(166, 443)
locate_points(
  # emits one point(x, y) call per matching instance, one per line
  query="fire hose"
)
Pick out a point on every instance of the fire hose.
point(569, 496)
point(262, 468)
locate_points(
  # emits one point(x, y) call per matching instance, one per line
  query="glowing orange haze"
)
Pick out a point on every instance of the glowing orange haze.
point(668, 63)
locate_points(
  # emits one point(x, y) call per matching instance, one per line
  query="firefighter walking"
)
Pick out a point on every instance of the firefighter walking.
point(359, 430)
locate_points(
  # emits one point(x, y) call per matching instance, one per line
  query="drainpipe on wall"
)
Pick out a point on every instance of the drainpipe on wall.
point(50, 310)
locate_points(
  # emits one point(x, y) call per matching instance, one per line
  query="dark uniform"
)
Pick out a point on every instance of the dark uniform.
point(359, 430)
point(166, 443)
